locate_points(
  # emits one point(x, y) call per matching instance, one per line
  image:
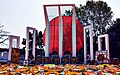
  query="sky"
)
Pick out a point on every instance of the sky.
point(16, 15)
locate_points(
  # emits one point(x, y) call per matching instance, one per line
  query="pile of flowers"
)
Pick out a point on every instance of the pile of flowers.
point(68, 69)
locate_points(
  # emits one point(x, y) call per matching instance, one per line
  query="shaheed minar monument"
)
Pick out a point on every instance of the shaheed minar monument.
point(65, 33)
point(62, 34)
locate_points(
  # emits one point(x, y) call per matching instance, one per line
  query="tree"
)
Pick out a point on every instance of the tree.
point(3, 35)
point(39, 39)
point(95, 13)
point(39, 42)
point(98, 14)
point(114, 38)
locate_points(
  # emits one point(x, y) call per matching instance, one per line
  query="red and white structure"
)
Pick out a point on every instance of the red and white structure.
point(106, 36)
point(11, 38)
point(47, 21)
point(85, 44)
point(27, 43)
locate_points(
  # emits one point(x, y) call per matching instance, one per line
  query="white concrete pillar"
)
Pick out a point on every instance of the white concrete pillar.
point(106, 43)
point(18, 42)
point(99, 44)
point(85, 44)
point(10, 48)
point(91, 44)
point(11, 37)
point(60, 32)
point(27, 44)
point(34, 42)
point(73, 32)
point(47, 36)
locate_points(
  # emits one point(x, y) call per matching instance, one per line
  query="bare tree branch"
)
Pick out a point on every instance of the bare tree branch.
point(1, 26)
point(3, 40)
point(3, 35)
point(4, 44)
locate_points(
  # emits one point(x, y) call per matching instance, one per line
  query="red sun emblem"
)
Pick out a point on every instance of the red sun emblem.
point(67, 34)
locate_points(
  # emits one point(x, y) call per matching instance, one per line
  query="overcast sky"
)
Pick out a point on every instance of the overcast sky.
point(16, 15)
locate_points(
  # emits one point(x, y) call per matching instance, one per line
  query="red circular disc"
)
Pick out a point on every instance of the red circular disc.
point(67, 34)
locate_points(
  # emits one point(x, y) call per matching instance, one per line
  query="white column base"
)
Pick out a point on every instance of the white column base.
point(25, 62)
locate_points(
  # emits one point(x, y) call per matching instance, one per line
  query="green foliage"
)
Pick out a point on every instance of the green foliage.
point(39, 40)
point(96, 13)
point(114, 39)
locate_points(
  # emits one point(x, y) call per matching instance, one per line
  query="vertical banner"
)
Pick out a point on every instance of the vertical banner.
point(74, 60)
point(38, 60)
point(15, 55)
point(56, 60)
point(101, 56)
point(47, 60)
point(65, 60)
